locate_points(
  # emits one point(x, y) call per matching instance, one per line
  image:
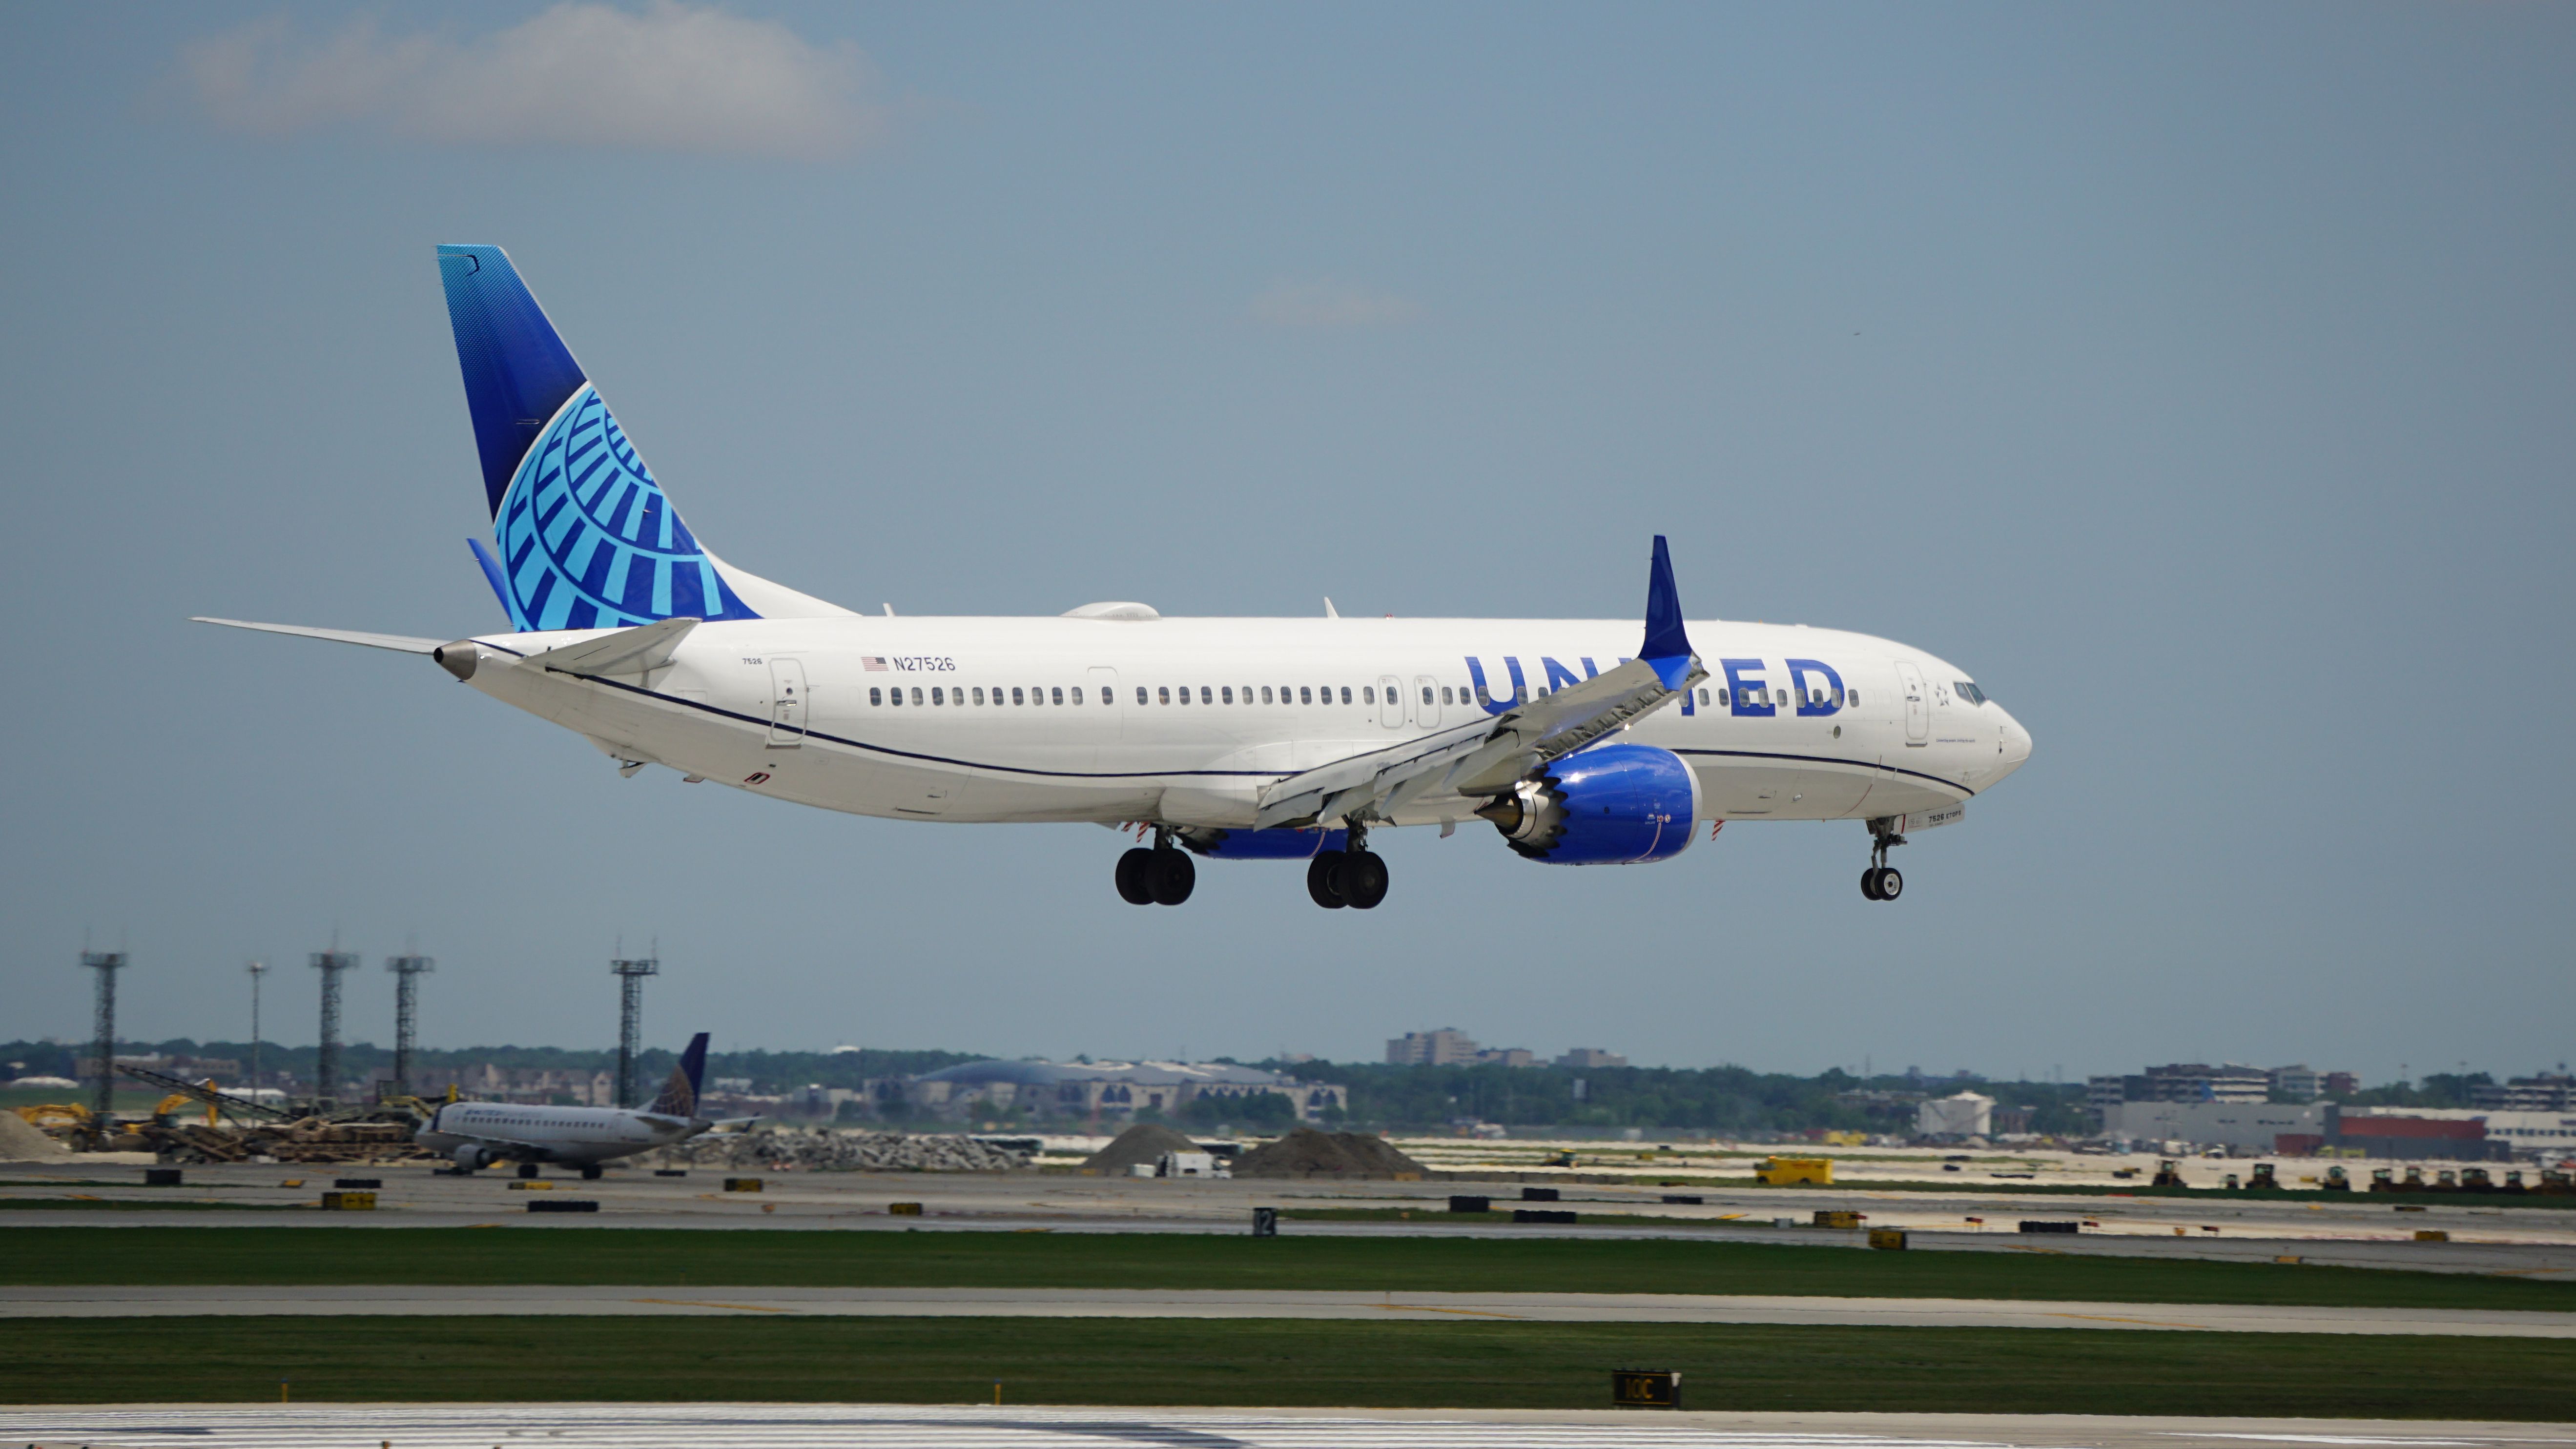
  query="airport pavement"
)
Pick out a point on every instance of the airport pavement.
point(2363, 1232)
point(773, 1426)
point(409, 1300)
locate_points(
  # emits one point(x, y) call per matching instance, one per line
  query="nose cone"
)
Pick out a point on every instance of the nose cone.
point(2016, 743)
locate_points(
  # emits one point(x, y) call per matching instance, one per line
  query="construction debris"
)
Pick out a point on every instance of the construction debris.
point(824, 1149)
point(1142, 1145)
point(1306, 1152)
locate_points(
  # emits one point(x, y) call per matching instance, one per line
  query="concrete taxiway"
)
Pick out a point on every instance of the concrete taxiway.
point(2363, 1231)
point(401, 1300)
point(855, 1426)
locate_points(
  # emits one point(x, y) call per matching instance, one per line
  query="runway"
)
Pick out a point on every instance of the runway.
point(372, 1300)
point(770, 1426)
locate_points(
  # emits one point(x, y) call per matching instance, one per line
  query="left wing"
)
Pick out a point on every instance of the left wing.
point(1485, 757)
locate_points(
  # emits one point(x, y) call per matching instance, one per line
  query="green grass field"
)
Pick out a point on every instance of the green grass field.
point(1257, 1362)
point(679, 1258)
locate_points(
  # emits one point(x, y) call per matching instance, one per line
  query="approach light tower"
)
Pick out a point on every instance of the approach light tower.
point(630, 1019)
point(326, 1060)
point(106, 964)
point(407, 973)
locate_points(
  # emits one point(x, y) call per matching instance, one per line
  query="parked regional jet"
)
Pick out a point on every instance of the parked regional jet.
point(1223, 739)
point(478, 1134)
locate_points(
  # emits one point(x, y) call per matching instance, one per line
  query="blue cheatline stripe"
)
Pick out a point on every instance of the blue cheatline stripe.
point(815, 734)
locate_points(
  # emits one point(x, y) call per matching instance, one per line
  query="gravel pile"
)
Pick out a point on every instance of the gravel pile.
point(1306, 1152)
point(1144, 1143)
point(21, 1142)
point(825, 1150)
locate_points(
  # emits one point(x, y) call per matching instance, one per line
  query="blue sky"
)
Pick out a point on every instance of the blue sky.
point(2198, 376)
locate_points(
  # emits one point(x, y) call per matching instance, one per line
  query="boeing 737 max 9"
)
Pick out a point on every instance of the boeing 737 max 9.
point(1583, 742)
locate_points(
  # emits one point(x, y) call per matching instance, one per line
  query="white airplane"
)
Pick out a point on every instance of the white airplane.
point(477, 1134)
point(1223, 738)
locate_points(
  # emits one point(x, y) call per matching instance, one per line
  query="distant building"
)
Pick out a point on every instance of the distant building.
point(2543, 1093)
point(1588, 1057)
point(2180, 1082)
point(533, 1085)
point(1961, 1114)
point(2012, 1121)
point(1446, 1047)
point(2551, 1134)
point(2341, 1084)
point(2297, 1084)
point(1507, 1057)
point(2248, 1127)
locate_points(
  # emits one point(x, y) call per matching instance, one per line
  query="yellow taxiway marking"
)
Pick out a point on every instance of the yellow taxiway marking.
point(696, 1303)
point(1428, 1308)
point(2111, 1318)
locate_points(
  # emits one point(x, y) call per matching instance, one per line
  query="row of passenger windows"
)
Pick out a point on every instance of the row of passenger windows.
point(1284, 694)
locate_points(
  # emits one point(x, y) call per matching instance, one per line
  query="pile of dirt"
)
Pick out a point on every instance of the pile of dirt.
point(826, 1150)
point(21, 1142)
point(1306, 1152)
point(1145, 1143)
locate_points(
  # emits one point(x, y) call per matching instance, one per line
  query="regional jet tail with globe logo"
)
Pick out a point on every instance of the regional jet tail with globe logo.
point(1582, 742)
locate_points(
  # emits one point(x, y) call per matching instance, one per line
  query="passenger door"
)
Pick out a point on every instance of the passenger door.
point(1918, 704)
point(1390, 701)
point(786, 703)
point(1426, 701)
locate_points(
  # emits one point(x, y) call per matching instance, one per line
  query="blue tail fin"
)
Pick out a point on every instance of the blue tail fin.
point(680, 1094)
point(587, 540)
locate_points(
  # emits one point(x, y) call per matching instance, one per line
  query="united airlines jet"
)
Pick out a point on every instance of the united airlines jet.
point(1581, 742)
point(478, 1134)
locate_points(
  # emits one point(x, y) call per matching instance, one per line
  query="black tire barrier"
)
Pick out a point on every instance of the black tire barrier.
point(562, 1205)
point(1471, 1204)
point(2031, 1225)
point(1541, 1215)
point(1538, 1194)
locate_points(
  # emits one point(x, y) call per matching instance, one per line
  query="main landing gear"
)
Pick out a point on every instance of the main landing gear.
point(1162, 876)
point(1882, 882)
point(1355, 877)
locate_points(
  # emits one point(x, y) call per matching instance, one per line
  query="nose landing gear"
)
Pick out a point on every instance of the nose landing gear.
point(1882, 882)
point(1162, 876)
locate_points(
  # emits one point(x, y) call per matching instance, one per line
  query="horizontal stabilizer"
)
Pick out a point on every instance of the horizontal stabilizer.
point(402, 642)
point(628, 651)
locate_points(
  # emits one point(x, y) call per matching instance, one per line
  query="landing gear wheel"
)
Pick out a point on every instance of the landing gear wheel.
point(1324, 879)
point(1135, 875)
point(1869, 883)
point(1890, 883)
point(1170, 875)
point(1363, 879)
point(593, 1173)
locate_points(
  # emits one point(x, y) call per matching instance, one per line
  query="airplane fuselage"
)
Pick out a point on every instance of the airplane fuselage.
point(1183, 722)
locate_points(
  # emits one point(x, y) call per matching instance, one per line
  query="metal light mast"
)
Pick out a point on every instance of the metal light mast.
point(106, 964)
point(630, 1019)
point(326, 1061)
point(407, 972)
point(257, 969)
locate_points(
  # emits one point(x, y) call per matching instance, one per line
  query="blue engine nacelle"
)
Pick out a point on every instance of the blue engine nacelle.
point(1608, 805)
point(1263, 844)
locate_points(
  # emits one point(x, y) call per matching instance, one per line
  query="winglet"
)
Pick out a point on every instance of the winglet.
point(1667, 646)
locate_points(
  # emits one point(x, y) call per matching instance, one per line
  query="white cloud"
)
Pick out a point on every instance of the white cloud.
point(671, 77)
point(1331, 304)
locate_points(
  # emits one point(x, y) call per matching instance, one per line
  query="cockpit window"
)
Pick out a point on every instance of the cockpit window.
point(1970, 692)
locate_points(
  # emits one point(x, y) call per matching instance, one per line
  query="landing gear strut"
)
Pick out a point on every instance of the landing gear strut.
point(1882, 882)
point(1355, 877)
point(1162, 876)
